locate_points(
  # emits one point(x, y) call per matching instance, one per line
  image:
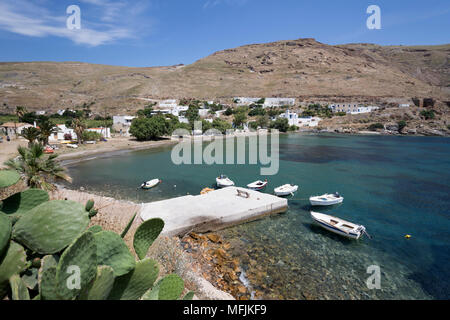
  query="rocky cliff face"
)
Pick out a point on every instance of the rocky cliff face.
point(303, 68)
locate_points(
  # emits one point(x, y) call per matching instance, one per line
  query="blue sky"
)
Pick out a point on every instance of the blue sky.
point(166, 32)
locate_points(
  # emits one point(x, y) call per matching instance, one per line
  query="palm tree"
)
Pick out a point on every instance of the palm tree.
point(31, 134)
point(39, 170)
point(20, 111)
point(46, 128)
point(79, 126)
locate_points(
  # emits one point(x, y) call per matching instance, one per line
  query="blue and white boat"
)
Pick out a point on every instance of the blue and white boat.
point(339, 226)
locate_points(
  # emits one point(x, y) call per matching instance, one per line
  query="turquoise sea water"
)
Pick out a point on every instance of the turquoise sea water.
point(392, 185)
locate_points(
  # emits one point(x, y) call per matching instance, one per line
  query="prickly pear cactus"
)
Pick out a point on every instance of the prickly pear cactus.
point(77, 267)
point(168, 288)
point(89, 205)
point(133, 285)
point(95, 229)
point(93, 212)
point(21, 203)
point(171, 287)
point(47, 278)
point(127, 228)
point(5, 234)
point(30, 278)
point(145, 234)
point(19, 290)
point(8, 178)
point(101, 286)
point(13, 263)
point(189, 296)
point(112, 251)
point(51, 226)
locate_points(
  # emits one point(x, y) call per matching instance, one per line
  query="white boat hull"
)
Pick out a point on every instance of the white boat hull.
point(285, 190)
point(328, 201)
point(150, 184)
point(257, 185)
point(223, 183)
point(324, 221)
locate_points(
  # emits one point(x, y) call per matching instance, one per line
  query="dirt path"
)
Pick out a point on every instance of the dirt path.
point(8, 149)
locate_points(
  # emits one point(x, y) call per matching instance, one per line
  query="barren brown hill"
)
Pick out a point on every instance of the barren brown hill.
point(302, 68)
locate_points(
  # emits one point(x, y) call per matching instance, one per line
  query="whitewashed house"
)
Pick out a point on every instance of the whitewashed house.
point(403, 105)
point(352, 108)
point(60, 134)
point(11, 128)
point(245, 101)
point(291, 116)
point(168, 104)
point(308, 122)
point(40, 112)
point(279, 102)
point(122, 124)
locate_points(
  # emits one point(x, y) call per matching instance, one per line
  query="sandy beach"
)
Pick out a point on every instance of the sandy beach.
point(8, 149)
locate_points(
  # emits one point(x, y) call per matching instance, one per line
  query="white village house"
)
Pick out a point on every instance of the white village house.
point(122, 124)
point(352, 108)
point(295, 120)
point(11, 128)
point(268, 102)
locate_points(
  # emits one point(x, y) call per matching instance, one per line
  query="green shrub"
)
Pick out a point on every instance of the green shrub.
point(401, 125)
point(427, 114)
point(281, 124)
point(92, 136)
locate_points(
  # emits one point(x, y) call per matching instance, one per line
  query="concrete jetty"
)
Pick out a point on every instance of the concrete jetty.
point(212, 211)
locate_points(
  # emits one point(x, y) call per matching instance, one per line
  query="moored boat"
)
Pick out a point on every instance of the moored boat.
point(150, 184)
point(327, 199)
point(285, 190)
point(338, 225)
point(223, 181)
point(257, 185)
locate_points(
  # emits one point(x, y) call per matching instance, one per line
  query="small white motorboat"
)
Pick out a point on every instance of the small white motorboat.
point(339, 226)
point(327, 199)
point(257, 185)
point(285, 190)
point(150, 184)
point(223, 181)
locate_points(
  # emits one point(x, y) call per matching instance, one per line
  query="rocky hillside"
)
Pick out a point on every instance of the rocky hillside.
point(303, 68)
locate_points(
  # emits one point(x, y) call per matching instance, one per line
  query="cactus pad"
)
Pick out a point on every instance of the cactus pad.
point(134, 284)
point(79, 259)
point(189, 295)
point(8, 178)
point(22, 202)
point(30, 278)
point(51, 226)
point(13, 263)
point(125, 231)
point(112, 251)
point(47, 278)
point(145, 234)
point(19, 290)
point(89, 205)
point(171, 287)
point(95, 229)
point(5, 234)
point(101, 286)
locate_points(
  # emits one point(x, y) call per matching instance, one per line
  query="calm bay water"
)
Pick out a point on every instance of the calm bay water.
point(392, 185)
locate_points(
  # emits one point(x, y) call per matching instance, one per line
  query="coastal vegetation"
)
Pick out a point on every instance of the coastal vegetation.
point(376, 126)
point(38, 170)
point(48, 253)
point(318, 110)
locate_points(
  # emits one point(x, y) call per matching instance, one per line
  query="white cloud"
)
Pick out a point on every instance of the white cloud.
point(213, 3)
point(26, 18)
